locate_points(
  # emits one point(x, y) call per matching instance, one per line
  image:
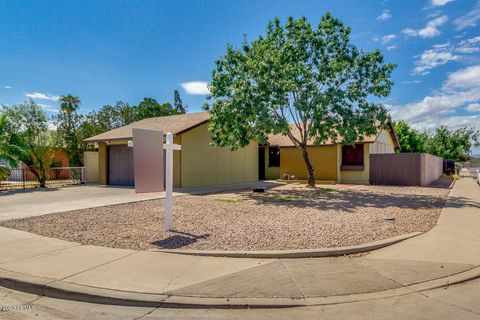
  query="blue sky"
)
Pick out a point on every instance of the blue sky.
point(106, 51)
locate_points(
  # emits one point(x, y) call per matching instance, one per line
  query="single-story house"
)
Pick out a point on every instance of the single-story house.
point(197, 164)
point(332, 162)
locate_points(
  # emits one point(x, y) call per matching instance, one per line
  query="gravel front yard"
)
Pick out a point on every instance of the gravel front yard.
point(286, 217)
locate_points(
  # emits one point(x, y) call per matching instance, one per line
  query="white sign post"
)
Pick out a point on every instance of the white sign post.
point(169, 147)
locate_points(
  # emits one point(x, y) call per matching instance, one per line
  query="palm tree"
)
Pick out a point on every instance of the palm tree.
point(69, 103)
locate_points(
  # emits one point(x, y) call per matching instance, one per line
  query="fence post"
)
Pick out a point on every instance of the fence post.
point(82, 175)
point(23, 178)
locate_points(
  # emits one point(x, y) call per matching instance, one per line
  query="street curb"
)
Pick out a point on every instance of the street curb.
point(300, 253)
point(76, 292)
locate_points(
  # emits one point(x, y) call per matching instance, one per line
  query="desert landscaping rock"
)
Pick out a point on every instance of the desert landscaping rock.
point(314, 218)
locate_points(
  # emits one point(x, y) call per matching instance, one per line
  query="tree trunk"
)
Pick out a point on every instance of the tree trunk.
point(311, 176)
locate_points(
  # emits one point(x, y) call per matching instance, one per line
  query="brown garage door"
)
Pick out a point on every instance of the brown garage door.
point(120, 166)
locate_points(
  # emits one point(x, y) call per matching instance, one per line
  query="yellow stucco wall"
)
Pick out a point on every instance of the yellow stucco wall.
point(204, 165)
point(383, 144)
point(323, 158)
point(271, 173)
point(102, 163)
point(360, 177)
point(177, 163)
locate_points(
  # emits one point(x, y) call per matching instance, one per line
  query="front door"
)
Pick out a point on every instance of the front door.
point(261, 163)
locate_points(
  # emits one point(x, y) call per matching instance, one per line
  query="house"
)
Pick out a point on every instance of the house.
point(198, 163)
point(332, 162)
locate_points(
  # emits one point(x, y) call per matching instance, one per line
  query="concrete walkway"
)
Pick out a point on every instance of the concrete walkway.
point(455, 238)
point(447, 254)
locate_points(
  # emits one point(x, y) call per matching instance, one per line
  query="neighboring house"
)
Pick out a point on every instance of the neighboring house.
point(198, 163)
point(332, 162)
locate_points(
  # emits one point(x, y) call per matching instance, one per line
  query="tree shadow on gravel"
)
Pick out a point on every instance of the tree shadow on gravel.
point(350, 200)
point(181, 239)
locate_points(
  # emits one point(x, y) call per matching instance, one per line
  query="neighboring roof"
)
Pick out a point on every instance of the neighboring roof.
point(175, 124)
point(284, 141)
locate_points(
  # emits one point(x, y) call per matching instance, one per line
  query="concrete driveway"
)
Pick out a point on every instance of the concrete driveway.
point(35, 202)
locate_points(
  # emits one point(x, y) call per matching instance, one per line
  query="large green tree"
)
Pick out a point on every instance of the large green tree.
point(107, 118)
point(314, 78)
point(149, 108)
point(410, 139)
point(30, 125)
point(68, 133)
point(452, 144)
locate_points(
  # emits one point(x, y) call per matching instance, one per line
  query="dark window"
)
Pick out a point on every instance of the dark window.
point(274, 157)
point(352, 156)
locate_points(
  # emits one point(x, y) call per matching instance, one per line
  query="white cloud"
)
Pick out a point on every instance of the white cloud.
point(385, 15)
point(388, 38)
point(429, 31)
point(410, 32)
point(469, 46)
point(411, 81)
point(432, 58)
point(469, 20)
point(440, 2)
point(453, 122)
point(440, 54)
point(51, 125)
point(7, 87)
point(462, 88)
point(47, 107)
point(473, 107)
point(465, 78)
point(196, 87)
point(391, 47)
point(42, 96)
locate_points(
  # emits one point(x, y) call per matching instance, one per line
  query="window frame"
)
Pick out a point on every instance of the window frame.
point(277, 157)
point(353, 157)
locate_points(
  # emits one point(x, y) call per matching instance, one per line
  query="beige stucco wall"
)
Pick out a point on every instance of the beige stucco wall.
point(102, 163)
point(90, 162)
point(148, 160)
point(271, 173)
point(383, 144)
point(323, 159)
point(360, 177)
point(204, 165)
point(432, 168)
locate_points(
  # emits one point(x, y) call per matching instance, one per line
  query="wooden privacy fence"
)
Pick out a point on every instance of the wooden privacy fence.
point(408, 169)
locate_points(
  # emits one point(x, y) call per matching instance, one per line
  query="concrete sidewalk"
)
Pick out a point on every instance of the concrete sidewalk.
point(455, 238)
point(77, 271)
